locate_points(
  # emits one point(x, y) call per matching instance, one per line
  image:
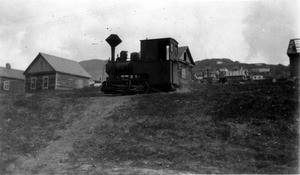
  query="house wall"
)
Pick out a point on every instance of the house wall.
point(259, 71)
point(294, 65)
point(15, 85)
point(56, 81)
point(237, 73)
point(68, 82)
point(184, 77)
point(40, 65)
point(39, 82)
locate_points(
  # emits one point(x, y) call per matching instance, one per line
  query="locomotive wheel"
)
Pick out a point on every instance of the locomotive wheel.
point(145, 88)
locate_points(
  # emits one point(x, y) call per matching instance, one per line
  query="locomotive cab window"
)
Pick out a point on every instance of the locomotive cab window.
point(167, 52)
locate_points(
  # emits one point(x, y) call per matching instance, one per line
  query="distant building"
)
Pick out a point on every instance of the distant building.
point(257, 77)
point(237, 72)
point(236, 75)
point(293, 52)
point(48, 72)
point(259, 73)
point(11, 80)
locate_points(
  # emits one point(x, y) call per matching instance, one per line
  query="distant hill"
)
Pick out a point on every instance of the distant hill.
point(95, 67)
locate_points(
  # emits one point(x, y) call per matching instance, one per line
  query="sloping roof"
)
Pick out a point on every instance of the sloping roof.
point(11, 73)
point(182, 49)
point(63, 65)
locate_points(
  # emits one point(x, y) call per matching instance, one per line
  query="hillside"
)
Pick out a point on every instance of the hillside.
point(230, 128)
point(96, 68)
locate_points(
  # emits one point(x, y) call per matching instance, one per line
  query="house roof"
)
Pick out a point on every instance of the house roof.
point(182, 49)
point(63, 65)
point(11, 73)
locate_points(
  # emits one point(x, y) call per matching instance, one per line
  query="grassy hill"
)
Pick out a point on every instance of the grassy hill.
point(96, 68)
point(241, 128)
point(219, 129)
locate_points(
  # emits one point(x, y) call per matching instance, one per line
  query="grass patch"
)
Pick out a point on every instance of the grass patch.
point(29, 122)
point(250, 128)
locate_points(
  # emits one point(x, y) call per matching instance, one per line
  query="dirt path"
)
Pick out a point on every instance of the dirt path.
point(53, 158)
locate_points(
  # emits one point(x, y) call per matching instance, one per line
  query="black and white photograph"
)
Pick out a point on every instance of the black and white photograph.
point(140, 87)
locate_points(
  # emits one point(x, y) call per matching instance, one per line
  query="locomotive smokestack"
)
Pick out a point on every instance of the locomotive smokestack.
point(113, 40)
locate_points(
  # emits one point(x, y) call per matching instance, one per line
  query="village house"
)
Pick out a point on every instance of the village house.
point(209, 75)
point(185, 65)
point(259, 73)
point(11, 80)
point(237, 74)
point(48, 72)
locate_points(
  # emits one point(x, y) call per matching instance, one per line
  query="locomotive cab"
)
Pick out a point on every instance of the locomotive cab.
point(159, 49)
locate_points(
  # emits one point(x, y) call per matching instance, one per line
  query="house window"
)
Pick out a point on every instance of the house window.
point(6, 85)
point(33, 83)
point(79, 84)
point(183, 73)
point(45, 82)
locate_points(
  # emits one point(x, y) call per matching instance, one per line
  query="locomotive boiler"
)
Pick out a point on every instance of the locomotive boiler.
point(155, 68)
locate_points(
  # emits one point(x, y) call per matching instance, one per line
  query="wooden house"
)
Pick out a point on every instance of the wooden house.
point(237, 75)
point(48, 72)
point(185, 65)
point(11, 80)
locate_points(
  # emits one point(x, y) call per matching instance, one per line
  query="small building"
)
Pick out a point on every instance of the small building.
point(48, 72)
point(260, 73)
point(293, 52)
point(236, 75)
point(257, 77)
point(185, 65)
point(237, 72)
point(11, 80)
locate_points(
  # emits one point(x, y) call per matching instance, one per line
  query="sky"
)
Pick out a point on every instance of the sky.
point(251, 31)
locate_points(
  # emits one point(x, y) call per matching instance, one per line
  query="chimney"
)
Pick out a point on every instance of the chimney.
point(8, 66)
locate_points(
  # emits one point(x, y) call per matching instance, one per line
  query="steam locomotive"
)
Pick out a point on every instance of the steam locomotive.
point(155, 68)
